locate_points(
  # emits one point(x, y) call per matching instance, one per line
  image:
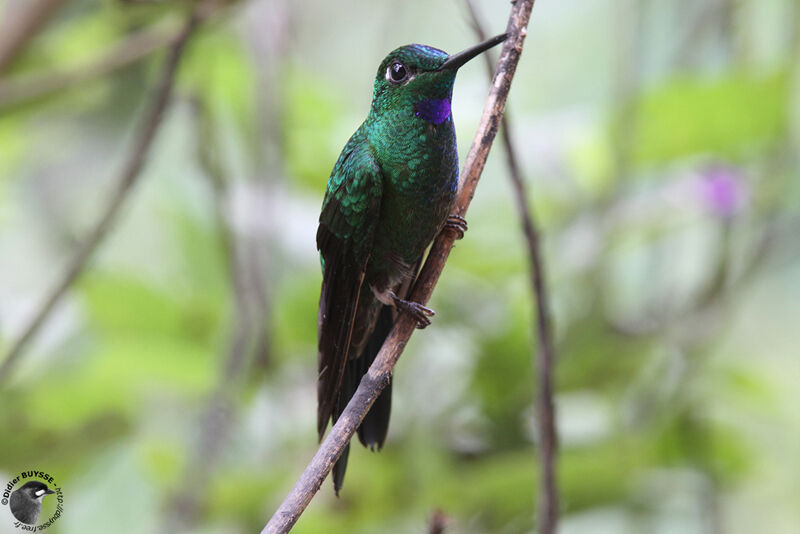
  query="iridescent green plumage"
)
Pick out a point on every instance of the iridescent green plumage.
point(389, 194)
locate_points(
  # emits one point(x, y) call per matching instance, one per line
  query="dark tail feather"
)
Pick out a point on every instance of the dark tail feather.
point(341, 288)
point(350, 381)
point(373, 429)
point(339, 468)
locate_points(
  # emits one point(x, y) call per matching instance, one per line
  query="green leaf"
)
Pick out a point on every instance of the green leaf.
point(295, 326)
point(117, 376)
point(124, 306)
point(217, 66)
point(310, 118)
point(725, 116)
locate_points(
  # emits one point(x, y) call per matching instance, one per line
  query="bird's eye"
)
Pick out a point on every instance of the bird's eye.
point(397, 73)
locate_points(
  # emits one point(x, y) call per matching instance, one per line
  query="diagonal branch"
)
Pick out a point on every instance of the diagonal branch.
point(20, 23)
point(380, 372)
point(143, 139)
point(132, 48)
point(548, 442)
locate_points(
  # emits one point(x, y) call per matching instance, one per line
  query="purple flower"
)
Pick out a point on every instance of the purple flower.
point(722, 190)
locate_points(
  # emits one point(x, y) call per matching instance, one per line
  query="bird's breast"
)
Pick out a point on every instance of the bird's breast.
point(420, 168)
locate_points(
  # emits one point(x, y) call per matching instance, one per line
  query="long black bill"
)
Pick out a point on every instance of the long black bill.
point(456, 60)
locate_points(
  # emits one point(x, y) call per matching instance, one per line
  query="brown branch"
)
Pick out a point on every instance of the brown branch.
point(548, 500)
point(129, 50)
point(437, 522)
point(21, 21)
point(143, 139)
point(548, 442)
point(380, 372)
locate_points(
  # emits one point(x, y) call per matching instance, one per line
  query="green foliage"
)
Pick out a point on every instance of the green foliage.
point(164, 461)
point(123, 306)
point(12, 151)
point(239, 496)
point(64, 446)
point(591, 356)
point(310, 114)
point(685, 438)
point(218, 69)
point(726, 116)
point(503, 378)
point(69, 44)
point(598, 475)
point(497, 491)
point(145, 342)
point(296, 325)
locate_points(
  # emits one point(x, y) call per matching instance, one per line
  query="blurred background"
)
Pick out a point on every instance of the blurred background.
point(172, 388)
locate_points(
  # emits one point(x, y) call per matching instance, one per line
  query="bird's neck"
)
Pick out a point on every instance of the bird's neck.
point(416, 153)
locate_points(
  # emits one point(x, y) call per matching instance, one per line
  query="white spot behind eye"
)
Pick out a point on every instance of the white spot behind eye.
point(39, 493)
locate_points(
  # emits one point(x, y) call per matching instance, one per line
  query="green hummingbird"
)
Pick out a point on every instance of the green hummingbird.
point(389, 194)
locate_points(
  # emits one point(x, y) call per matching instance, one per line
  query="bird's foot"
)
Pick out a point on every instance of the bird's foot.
point(457, 224)
point(416, 310)
point(420, 313)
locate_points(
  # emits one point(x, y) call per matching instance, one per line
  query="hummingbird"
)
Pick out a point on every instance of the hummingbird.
point(390, 193)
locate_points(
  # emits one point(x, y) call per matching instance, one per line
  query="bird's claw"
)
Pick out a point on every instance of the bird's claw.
point(420, 313)
point(457, 224)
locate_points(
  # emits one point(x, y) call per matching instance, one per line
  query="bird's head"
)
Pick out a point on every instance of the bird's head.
point(420, 78)
point(35, 490)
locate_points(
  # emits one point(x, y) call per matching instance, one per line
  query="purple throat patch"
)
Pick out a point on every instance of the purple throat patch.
point(435, 111)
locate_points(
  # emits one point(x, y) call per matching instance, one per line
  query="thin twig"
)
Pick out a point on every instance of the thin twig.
point(21, 21)
point(268, 31)
point(380, 371)
point(548, 442)
point(437, 522)
point(129, 50)
point(143, 139)
point(217, 417)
